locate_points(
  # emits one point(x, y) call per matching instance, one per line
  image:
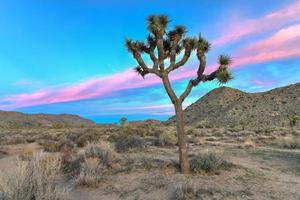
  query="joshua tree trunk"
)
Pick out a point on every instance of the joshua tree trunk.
point(166, 46)
point(182, 142)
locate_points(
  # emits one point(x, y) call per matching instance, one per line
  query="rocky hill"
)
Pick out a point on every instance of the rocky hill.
point(17, 120)
point(227, 107)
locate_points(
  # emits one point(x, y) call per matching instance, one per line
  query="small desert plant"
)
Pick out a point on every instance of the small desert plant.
point(90, 173)
point(209, 162)
point(127, 142)
point(90, 136)
point(167, 139)
point(295, 119)
point(184, 191)
point(33, 179)
point(289, 142)
point(123, 121)
point(101, 151)
point(56, 146)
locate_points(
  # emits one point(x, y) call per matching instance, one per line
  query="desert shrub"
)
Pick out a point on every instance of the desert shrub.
point(71, 164)
point(102, 151)
point(167, 139)
point(49, 145)
point(209, 162)
point(126, 142)
point(33, 179)
point(295, 119)
point(90, 173)
point(289, 142)
point(184, 191)
point(56, 146)
point(90, 136)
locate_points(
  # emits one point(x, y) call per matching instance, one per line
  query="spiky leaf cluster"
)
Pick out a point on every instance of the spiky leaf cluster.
point(177, 33)
point(140, 71)
point(157, 23)
point(223, 74)
point(190, 43)
point(133, 46)
point(225, 60)
point(203, 45)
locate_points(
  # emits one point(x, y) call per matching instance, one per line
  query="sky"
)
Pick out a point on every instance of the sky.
point(68, 56)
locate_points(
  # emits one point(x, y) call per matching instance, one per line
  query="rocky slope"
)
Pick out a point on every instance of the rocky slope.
point(227, 107)
point(17, 119)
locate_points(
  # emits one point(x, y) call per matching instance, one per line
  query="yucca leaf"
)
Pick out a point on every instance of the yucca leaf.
point(203, 44)
point(129, 45)
point(223, 75)
point(163, 21)
point(225, 60)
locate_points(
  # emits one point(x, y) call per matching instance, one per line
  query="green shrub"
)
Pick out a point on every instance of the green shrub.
point(295, 119)
point(209, 162)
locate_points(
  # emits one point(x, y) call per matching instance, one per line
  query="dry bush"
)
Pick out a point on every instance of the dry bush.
point(167, 139)
point(142, 130)
point(289, 142)
point(88, 166)
point(209, 162)
point(90, 173)
point(91, 135)
point(249, 143)
point(33, 179)
point(127, 142)
point(56, 146)
point(184, 191)
point(103, 151)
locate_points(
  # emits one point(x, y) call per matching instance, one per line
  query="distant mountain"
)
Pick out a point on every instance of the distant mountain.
point(227, 107)
point(16, 120)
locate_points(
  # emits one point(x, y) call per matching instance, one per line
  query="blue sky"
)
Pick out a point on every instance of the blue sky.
point(69, 57)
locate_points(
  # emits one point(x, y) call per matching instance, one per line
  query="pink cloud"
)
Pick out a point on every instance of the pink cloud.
point(262, 83)
point(282, 44)
point(272, 21)
point(84, 90)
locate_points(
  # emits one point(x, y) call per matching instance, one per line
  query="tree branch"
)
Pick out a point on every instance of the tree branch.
point(169, 89)
point(186, 56)
point(160, 49)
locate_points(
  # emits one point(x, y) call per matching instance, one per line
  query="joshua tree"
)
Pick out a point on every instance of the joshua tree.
point(123, 121)
point(172, 48)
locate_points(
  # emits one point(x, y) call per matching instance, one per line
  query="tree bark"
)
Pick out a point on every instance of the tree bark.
point(182, 141)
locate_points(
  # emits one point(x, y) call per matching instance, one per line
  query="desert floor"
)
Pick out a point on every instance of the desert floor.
point(262, 169)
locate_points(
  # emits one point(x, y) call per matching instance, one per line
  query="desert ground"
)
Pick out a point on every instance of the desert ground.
point(140, 161)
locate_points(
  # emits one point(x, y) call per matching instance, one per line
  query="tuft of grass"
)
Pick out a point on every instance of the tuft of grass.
point(102, 151)
point(209, 162)
point(89, 173)
point(33, 179)
point(184, 191)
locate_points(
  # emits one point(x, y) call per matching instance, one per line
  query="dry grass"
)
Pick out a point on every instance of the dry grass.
point(90, 164)
point(33, 179)
point(289, 142)
point(184, 191)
